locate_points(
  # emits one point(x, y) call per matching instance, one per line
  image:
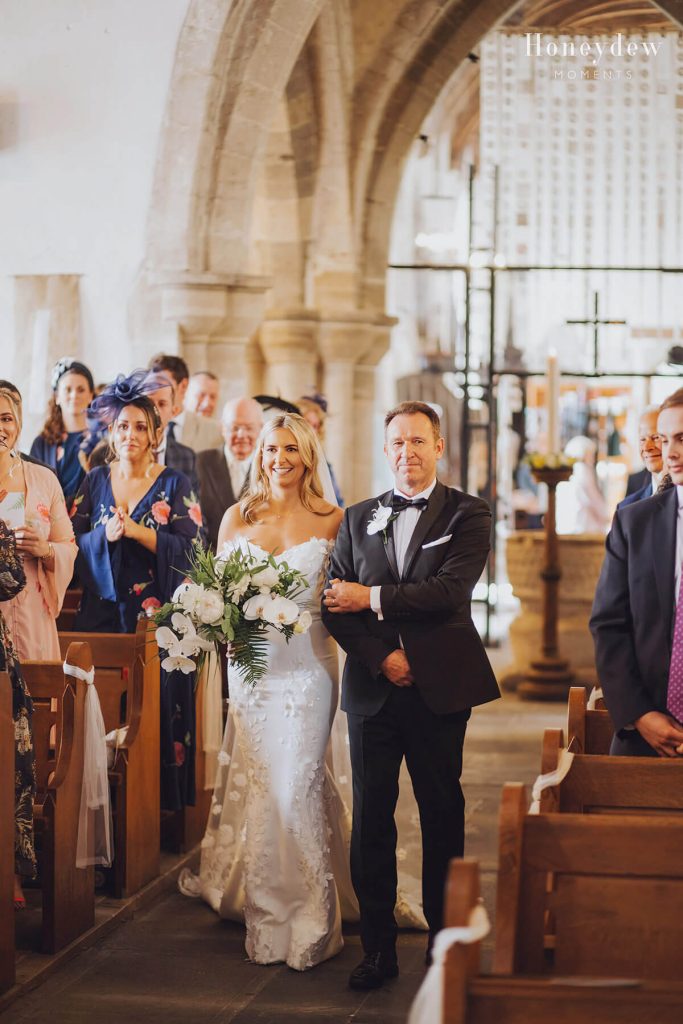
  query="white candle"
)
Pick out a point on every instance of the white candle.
point(553, 402)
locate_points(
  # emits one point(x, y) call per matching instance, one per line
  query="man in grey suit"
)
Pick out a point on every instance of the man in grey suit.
point(223, 472)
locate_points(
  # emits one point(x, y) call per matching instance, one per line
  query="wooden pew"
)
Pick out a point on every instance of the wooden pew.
point(603, 784)
point(67, 615)
point(127, 681)
point(588, 732)
point(470, 997)
point(68, 892)
point(6, 834)
point(617, 901)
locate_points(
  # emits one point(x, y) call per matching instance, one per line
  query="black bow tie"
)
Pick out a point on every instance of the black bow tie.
point(399, 503)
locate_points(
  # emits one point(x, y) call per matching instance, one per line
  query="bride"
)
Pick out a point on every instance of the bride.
point(276, 849)
point(267, 855)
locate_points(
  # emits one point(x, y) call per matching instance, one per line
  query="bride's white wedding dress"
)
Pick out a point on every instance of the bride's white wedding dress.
point(276, 848)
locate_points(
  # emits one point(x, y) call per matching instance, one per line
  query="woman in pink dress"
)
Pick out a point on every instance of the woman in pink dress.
point(32, 502)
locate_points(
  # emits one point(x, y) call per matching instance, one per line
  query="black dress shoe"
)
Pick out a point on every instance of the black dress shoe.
point(373, 970)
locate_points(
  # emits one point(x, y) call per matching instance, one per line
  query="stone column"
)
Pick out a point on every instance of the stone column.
point(348, 342)
point(288, 339)
point(215, 316)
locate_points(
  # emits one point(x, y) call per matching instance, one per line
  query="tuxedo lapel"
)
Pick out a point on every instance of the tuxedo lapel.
point(424, 524)
point(389, 546)
point(663, 548)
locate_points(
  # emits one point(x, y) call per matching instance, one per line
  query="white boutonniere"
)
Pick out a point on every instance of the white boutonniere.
point(382, 516)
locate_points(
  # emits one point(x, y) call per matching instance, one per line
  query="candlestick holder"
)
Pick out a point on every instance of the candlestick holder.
point(549, 676)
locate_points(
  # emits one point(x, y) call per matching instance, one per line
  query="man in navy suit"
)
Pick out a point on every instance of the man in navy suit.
point(171, 452)
point(650, 448)
point(637, 624)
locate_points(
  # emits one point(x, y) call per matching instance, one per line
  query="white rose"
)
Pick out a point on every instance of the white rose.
point(380, 519)
point(255, 607)
point(303, 623)
point(281, 612)
point(211, 607)
point(267, 579)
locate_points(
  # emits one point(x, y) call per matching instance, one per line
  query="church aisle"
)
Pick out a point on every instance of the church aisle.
point(177, 963)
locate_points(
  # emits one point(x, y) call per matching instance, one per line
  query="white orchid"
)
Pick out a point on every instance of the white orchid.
point(266, 579)
point(281, 612)
point(381, 517)
point(255, 607)
point(303, 623)
point(178, 661)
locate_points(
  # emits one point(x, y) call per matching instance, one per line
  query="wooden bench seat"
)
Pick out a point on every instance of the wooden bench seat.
point(616, 902)
point(598, 783)
point(470, 997)
point(127, 681)
point(58, 737)
point(588, 732)
point(6, 834)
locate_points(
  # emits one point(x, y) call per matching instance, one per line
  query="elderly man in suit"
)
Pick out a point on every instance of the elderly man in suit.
point(189, 428)
point(223, 472)
point(650, 448)
point(637, 620)
point(402, 573)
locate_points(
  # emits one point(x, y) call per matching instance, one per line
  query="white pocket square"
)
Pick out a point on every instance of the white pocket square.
point(435, 543)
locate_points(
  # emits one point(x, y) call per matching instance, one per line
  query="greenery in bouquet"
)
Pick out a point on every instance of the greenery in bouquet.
point(231, 599)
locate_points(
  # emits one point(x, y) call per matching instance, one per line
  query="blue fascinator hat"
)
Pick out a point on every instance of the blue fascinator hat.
point(126, 390)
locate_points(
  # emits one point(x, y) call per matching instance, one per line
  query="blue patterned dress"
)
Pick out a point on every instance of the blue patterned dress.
point(124, 581)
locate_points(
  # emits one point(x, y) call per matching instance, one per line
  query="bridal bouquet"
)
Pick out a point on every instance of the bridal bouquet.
point(231, 598)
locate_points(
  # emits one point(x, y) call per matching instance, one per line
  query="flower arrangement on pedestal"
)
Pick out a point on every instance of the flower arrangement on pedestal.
point(231, 599)
point(549, 460)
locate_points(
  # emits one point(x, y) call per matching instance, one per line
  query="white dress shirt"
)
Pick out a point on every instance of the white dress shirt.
point(179, 423)
point(238, 470)
point(679, 543)
point(403, 527)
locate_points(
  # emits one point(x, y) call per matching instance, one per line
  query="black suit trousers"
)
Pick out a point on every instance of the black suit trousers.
point(432, 746)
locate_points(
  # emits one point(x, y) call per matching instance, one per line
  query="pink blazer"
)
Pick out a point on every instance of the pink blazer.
point(32, 614)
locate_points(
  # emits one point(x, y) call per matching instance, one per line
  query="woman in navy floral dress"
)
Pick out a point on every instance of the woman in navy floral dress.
point(135, 522)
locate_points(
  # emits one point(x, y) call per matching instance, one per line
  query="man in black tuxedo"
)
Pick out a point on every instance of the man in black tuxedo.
point(398, 602)
point(637, 619)
point(224, 472)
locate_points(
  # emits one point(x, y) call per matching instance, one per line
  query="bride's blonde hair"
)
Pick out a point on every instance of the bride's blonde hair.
point(259, 492)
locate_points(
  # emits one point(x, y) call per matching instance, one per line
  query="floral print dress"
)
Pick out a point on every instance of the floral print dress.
point(123, 582)
point(12, 581)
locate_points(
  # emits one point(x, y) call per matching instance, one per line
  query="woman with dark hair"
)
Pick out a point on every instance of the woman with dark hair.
point(65, 430)
point(12, 582)
point(135, 522)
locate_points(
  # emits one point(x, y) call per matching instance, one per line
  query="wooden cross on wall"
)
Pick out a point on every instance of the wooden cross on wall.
point(596, 322)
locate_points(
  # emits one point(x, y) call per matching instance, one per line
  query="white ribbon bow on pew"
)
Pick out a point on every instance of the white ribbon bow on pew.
point(595, 696)
point(427, 1005)
point(94, 844)
point(553, 778)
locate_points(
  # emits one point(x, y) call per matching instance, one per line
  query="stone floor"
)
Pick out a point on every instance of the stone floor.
point(176, 963)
